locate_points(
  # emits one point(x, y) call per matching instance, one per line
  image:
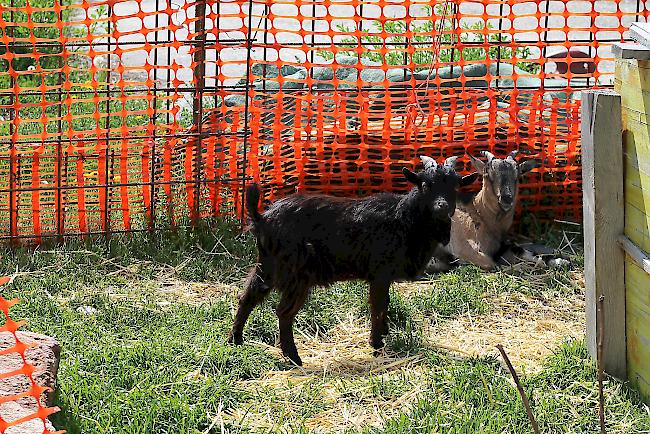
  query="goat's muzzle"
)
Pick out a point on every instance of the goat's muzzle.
point(442, 209)
point(506, 202)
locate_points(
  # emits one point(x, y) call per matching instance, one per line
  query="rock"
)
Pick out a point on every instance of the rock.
point(10, 411)
point(271, 71)
point(323, 86)
point(450, 72)
point(398, 75)
point(264, 70)
point(323, 73)
point(345, 59)
point(347, 74)
point(234, 100)
point(372, 75)
point(297, 80)
point(288, 70)
point(475, 70)
point(367, 62)
point(503, 72)
point(424, 74)
point(556, 88)
point(262, 85)
point(44, 357)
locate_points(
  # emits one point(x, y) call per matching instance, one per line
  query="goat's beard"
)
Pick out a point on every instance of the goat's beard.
point(503, 210)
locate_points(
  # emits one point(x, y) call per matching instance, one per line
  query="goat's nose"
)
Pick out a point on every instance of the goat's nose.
point(506, 202)
point(506, 199)
point(441, 206)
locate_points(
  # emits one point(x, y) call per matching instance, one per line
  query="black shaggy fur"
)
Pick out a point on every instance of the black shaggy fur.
point(312, 240)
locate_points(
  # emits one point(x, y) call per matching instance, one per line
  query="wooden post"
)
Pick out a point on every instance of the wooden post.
point(604, 220)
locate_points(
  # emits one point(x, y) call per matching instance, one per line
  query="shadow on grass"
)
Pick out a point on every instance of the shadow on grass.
point(64, 419)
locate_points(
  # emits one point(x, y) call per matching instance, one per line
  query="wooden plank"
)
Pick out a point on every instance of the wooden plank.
point(637, 281)
point(636, 138)
point(636, 166)
point(640, 258)
point(642, 385)
point(639, 290)
point(637, 226)
point(630, 50)
point(637, 176)
point(637, 201)
point(632, 72)
point(602, 174)
point(640, 32)
point(636, 102)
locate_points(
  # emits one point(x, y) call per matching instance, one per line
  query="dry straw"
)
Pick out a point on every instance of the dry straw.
point(335, 384)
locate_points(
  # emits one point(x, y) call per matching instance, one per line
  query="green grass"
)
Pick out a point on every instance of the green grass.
point(155, 361)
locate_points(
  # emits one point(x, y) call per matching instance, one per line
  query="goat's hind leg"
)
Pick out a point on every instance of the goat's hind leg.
point(257, 287)
point(291, 302)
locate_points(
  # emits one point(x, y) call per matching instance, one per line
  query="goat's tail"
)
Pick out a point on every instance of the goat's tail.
point(252, 201)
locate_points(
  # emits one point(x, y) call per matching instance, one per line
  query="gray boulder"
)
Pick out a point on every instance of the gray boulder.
point(44, 356)
point(233, 100)
point(323, 73)
point(272, 71)
point(297, 80)
point(372, 76)
point(344, 59)
point(398, 75)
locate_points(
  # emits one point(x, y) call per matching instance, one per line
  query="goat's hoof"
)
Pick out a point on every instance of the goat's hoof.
point(377, 348)
point(235, 339)
point(295, 359)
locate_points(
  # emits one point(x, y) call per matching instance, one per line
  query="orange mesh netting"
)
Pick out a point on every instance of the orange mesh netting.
point(115, 115)
point(27, 414)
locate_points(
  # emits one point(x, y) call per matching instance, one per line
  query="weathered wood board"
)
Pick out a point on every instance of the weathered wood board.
point(637, 285)
point(633, 83)
point(603, 218)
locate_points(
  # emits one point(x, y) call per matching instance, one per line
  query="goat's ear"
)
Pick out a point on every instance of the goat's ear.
point(411, 177)
point(527, 166)
point(468, 179)
point(478, 164)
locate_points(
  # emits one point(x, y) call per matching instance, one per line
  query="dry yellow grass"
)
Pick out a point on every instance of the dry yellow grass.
point(339, 370)
point(528, 327)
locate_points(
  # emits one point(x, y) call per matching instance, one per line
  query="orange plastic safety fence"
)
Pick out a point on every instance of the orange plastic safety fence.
point(120, 115)
point(31, 397)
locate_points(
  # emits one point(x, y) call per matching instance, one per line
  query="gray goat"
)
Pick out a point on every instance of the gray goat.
point(480, 223)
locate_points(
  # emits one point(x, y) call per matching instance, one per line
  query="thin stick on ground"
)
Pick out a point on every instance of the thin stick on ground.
point(599, 361)
point(524, 398)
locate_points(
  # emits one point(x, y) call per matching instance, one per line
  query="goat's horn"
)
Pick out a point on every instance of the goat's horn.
point(487, 155)
point(513, 154)
point(451, 161)
point(429, 163)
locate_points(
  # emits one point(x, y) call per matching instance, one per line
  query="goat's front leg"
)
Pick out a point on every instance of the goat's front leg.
point(290, 304)
point(379, 298)
point(256, 290)
point(478, 258)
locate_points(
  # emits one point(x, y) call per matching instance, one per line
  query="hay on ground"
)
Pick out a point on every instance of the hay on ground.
point(333, 392)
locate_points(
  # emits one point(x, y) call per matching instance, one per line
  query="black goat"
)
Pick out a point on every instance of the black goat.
point(309, 240)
